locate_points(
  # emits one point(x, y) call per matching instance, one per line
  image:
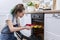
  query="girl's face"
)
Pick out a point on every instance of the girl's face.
point(20, 14)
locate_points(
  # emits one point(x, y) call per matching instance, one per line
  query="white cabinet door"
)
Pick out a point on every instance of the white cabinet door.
point(52, 27)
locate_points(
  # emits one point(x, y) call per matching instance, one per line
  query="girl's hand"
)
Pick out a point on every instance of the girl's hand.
point(28, 27)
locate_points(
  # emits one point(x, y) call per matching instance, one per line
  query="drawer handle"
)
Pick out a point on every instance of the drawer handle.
point(56, 16)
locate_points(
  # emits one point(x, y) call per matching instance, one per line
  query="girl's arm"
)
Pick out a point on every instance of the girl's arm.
point(13, 29)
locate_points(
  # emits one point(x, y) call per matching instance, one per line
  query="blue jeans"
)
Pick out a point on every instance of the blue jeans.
point(8, 37)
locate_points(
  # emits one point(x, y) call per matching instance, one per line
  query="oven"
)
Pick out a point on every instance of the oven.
point(38, 20)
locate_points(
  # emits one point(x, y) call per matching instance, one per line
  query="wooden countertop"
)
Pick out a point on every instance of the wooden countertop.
point(44, 11)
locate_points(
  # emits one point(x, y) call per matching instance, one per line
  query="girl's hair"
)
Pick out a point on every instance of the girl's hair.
point(18, 8)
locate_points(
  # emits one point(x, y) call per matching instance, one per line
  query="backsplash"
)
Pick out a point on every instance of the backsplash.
point(45, 4)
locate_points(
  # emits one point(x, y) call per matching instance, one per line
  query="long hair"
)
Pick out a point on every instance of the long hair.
point(17, 8)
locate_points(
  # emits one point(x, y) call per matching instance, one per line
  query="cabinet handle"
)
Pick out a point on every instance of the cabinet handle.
point(56, 16)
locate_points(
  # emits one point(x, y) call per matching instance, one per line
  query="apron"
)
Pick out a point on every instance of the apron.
point(6, 34)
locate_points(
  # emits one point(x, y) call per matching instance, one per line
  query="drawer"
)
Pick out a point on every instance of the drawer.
point(57, 15)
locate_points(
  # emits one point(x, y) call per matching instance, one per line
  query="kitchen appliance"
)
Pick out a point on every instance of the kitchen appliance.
point(38, 19)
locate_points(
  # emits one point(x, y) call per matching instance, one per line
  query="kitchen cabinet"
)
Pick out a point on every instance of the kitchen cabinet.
point(51, 27)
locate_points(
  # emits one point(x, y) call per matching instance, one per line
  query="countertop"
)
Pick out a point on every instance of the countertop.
point(44, 11)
